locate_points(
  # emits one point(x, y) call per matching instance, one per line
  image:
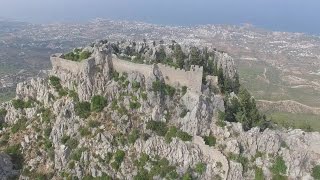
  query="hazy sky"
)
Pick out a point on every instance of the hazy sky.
point(284, 15)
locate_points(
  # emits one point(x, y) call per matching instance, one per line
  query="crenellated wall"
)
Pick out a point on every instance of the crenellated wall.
point(174, 77)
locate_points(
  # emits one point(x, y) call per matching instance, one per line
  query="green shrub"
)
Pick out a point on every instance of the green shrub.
point(170, 90)
point(135, 105)
point(72, 143)
point(240, 159)
point(142, 175)
point(47, 144)
point(76, 154)
point(158, 86)
point(94, 124)
point(184, 90)
point(200, 168)
point(55, 82)
point(144, 96)
point(108, 157)
point(84, 55)
point(279, 167)
point(133, 136)
point(71, 164)
point(187, 176)
point(3, 112)
point(258, 174)
point(82, 109)
point(64, 139)
point(160, 128)
point(184, 136)
point(103, 177)
point(74, 95)
point(20, 104)
point(77, 55)
point(47, 132)
point(135, 85)
point(114, 104)
point(98, 103)
point(84, 131)
point(4, 139)
point(144, 158)
point(115, 75)
point(46, 115)
point(171, 133)
point(221, 123)
point(20, 125)
point(71, 56)
point(62, 92)
point(209, 140)
point(161, 167)
point(118, 158)
point(316, 172)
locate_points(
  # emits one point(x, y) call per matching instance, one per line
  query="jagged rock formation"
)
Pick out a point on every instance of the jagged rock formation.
point(87, 120)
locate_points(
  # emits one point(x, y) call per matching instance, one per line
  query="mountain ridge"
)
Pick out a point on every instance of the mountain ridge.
point(97, 123)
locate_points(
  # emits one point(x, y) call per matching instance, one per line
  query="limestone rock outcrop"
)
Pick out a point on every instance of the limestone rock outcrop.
point(119, 121)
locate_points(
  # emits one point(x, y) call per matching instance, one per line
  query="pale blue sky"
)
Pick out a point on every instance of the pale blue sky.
point(284, 15)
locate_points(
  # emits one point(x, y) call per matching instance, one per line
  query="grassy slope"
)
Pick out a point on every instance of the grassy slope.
point(301, 121)
point(276, 90)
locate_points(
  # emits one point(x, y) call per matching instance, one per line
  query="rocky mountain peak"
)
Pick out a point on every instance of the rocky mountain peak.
point(145, 110)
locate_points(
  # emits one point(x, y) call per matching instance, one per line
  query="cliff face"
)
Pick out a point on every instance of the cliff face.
point(95, 122)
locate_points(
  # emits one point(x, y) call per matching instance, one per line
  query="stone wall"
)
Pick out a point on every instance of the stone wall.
point(174, 77)
point(192, 79)
point(68, 65)
point(126, 66)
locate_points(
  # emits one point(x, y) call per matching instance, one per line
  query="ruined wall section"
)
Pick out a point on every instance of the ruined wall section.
point(126, 66)
point(180, 77)
point(174, 77)
point(74, 67)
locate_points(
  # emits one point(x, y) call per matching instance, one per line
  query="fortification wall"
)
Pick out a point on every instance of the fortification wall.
point(64, 64)
point(126, 66)
point(174, 77)
point(192, 79)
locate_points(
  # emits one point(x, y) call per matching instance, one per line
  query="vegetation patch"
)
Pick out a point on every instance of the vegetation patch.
point(316, 172)
point(77, 55)
point(118, 158)
point(133, 136)
point(134, 105)
point(200, 168)
point(161, 87)
point(98, 103)
point(258, 174)
point(82, 109)
point(160, 128)
point(20, 125)
point(279, 167)
point(174, 132)
point(209, 140)
point(20, 104)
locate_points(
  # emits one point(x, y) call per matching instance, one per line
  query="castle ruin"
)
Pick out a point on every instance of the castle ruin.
point(172, 76)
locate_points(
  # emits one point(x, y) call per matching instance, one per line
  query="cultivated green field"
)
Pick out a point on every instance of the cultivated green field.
point(308, 122)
